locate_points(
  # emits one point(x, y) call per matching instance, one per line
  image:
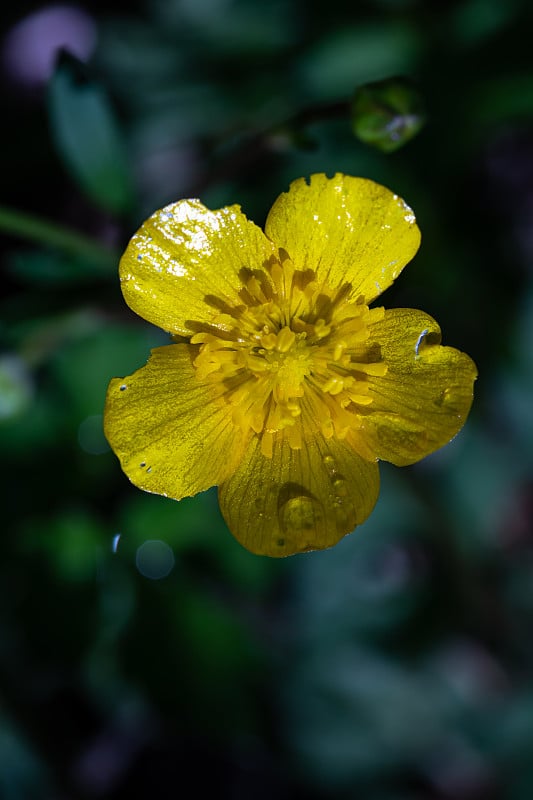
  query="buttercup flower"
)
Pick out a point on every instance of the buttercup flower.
point(283, 387)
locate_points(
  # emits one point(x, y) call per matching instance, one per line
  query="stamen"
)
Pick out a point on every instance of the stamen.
point(294, 360)
point(338, 350)
point(285, 341)
point(321, 329)
point(269, 341)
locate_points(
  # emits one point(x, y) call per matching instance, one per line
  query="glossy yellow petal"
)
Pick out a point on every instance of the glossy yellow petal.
point(183, 264)
point(170, 432)
point(347, 229)
point(298, 500)
point(426, 394)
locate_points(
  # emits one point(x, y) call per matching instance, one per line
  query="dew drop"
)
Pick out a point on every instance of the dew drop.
point(340, 488)
point(123, 387)
point(301, 516)
point(420, 341)
point(330, 465)
point(445, 397)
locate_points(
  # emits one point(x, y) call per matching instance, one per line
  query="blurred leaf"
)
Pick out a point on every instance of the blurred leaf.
point(83, 252)
point(86, 363)
point(350, 56)
point(476, 20)
point(16, 389)
point(194, 526)
point(387, 114)
point(22, 774)
point(39, 337)
point(54, 268)
point(286, 137)
point(374, 580)
point(498, 100)
point(353, 712)
point(72, 543)
point(476, 477)
point(91, 435)
point(249, 29)
point(87, 136)
point(191, 523)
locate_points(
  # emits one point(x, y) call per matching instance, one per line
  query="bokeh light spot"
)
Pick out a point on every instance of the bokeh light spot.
point(154, 559)
point(31, 46)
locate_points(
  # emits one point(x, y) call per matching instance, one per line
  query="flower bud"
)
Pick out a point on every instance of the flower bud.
point(387, 114)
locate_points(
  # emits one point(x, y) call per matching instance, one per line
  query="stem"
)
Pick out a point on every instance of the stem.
point(37, 230)
point(248, 152)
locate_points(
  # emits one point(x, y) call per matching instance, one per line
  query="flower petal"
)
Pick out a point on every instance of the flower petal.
point(298, 500)
point(347, 229)
point(171, 433)
point(426, 394)
point(184, 262)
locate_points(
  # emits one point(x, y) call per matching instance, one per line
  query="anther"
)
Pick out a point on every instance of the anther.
point(340, 347)
point(269, 341)
point(321, 329)
point(286, 339)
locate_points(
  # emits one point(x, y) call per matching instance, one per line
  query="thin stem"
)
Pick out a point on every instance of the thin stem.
point(256, 145)
point(27, 226)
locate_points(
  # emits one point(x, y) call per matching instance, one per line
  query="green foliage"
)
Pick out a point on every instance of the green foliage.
point(15, 387)
point(87, 136)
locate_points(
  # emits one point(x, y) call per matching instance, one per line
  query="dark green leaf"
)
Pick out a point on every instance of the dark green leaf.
point(87, 136)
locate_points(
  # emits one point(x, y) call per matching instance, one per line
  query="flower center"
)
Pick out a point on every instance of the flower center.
point(295, 357)
point(283, 356)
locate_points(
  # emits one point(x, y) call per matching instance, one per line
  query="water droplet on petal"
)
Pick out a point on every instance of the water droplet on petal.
point(330, 465)
point(340, 488)
point(420, 341)
point(301, 516)
point(445, 397)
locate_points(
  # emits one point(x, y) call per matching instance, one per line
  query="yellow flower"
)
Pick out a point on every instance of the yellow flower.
point(283, 387)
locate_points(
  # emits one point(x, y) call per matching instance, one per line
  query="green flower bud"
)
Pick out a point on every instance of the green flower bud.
point(387, 114)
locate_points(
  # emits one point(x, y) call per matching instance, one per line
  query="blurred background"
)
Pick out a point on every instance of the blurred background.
point(142, 650)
